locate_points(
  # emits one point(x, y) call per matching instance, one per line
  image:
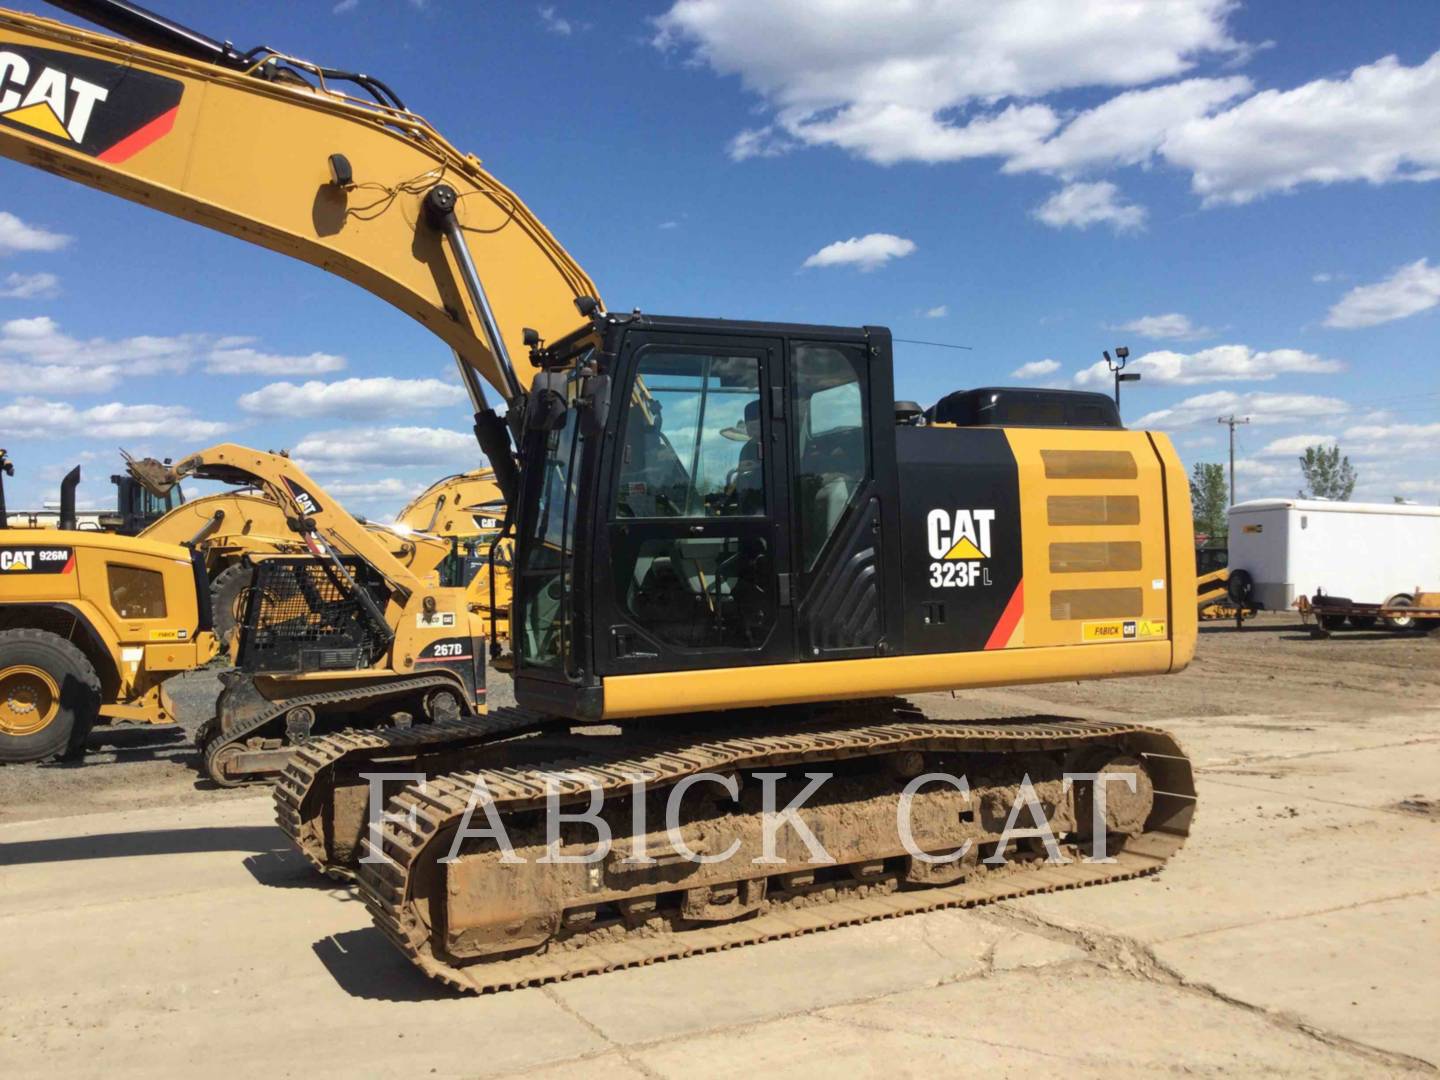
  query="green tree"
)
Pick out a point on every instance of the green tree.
point(1209, 499)
point(1327, 474)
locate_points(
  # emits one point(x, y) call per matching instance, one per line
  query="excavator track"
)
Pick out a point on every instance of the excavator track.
point(406, 889)
point(305, 791)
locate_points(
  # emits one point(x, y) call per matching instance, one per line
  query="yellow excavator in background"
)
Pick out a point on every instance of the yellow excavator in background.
point(732, 547)
point(345, 633)
point(469, 509)
point(92, 625)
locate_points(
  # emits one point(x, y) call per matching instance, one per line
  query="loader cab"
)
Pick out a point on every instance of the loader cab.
point(136, 508)
point(701, 494)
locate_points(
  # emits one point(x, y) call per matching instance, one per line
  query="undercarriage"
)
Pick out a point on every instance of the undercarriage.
point(489, 873)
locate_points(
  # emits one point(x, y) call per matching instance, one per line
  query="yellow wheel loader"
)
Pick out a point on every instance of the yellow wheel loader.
point(92, 624)
point(734, 551)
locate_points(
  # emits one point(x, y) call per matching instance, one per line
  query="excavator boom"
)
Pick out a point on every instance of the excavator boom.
point(266, 148)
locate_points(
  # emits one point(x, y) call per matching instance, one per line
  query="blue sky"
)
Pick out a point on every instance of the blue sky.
point(1244, 194)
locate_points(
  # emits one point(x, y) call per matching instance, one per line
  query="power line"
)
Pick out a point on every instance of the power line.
point(936, 344)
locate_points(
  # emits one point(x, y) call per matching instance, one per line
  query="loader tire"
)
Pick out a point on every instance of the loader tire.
point(49, 696)
point(226, 592)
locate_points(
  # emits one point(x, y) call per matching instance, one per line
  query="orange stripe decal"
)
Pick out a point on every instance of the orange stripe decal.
point(1000, 636)
point(138, 140)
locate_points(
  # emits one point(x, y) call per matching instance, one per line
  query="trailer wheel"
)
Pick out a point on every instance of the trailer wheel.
point(1400, 622)
point(1332, 622)
point(49, 696)
point(1363, 622)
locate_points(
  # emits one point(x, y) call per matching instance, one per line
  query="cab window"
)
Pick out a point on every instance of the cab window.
point(692, 439)
point(832, 450)
point(136, 593)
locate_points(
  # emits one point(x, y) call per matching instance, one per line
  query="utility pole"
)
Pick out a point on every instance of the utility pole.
point(1231, 421)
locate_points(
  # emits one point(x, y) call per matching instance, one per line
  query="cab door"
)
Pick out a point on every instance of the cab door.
point(693, 564)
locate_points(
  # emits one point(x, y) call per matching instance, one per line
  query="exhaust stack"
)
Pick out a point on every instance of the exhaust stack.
point(67, 498)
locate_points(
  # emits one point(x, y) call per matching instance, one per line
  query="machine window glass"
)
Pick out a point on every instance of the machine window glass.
point(832, 448)
point(136, 593)
point(701, 592)
point(692, 438)
point(546, 618)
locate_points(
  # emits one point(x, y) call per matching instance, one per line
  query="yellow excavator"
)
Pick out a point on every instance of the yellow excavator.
point(733, 550)
point(469, 510)
point(348, 631)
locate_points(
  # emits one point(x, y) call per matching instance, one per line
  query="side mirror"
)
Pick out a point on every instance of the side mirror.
point(595, 403)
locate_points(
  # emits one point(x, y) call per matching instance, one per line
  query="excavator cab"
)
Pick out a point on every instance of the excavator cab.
point(682, 503)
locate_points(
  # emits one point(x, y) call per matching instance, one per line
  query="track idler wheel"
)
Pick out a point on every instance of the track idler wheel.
point(1127, 802)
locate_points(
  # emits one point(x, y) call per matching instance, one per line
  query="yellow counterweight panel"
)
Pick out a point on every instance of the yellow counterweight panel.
point(1093, 517)
point(1184, 617)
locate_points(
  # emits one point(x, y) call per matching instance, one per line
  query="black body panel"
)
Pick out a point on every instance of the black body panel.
point(960, 537)
point(1025, 406)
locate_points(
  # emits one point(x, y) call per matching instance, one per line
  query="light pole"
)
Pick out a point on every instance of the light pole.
point(1122, 354)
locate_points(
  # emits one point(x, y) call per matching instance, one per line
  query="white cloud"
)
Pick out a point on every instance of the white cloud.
point(1036, 369)
point(939, 311)
point(1294, 445)
point(16, 236)
point(344, 6)
point(40, 358)
point(669, 225)
point(902, 80)
point(556, 24)
point(1322, 278)
point(758, 142)
point(1172, 326)
point(887, 134)
point(1262, 408)
point(40, 286)
point(390, 488)
point(349, 450)
point(906, 80)
point(1377, 125)
point(1408, 291)
point(244, 361)
point(359, 399)
point(37, 418)
point(866, 252)
point(1084, 204)
point(36, 354)
point(1407, 441)
point(1127, 129)
point(1222, 363)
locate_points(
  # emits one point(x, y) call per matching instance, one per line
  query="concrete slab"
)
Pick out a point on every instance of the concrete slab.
point(800, 974)
point(1365, 973)
point(1013, 1024)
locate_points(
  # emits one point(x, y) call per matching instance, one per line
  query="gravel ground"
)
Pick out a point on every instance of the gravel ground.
point(1272, 667)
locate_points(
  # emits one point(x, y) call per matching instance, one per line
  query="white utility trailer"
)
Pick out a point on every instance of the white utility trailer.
point(1370, 553)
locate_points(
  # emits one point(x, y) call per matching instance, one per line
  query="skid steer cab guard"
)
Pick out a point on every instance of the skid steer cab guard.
point(91, 626)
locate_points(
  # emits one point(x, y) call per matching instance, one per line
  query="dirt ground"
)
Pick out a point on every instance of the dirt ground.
point(149, 922)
